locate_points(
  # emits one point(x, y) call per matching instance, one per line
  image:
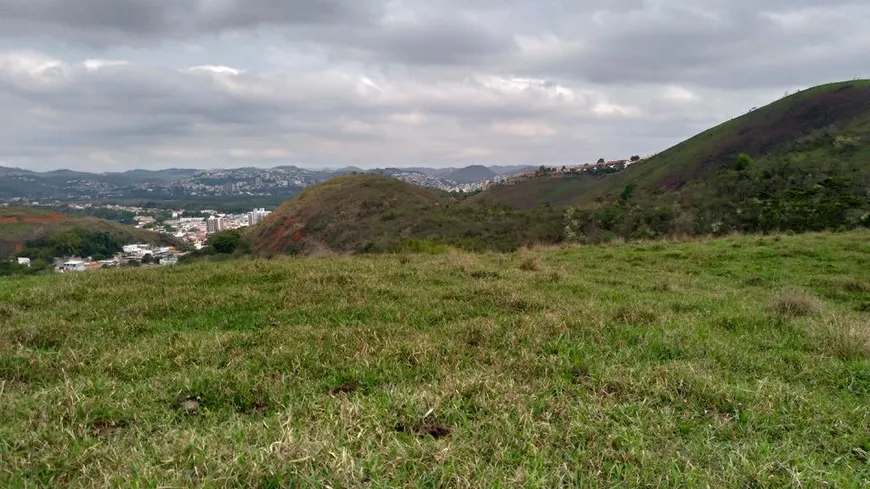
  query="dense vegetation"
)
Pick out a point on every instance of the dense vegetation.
point(736, 362)
point(81, 242)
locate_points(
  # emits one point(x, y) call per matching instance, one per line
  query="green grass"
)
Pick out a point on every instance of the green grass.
point(737, 362)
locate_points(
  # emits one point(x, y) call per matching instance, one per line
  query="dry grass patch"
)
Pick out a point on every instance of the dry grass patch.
point(462, 261)
point(849, 284)
point(530, 264)
point(795, 303)
point(845, 337)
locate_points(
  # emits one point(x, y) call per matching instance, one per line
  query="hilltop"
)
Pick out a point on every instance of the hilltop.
point(367, 212)
point(21, 226)
point(735, 362)
point(471, 174)
point(800, 163)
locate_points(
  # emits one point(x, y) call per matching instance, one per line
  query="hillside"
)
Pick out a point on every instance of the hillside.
point(18, 226)
point(364, 213)
point(809, 154)
point(730, 363)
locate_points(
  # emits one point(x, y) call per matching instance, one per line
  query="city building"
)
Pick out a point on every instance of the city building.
point(256, 216)
point(215, 224)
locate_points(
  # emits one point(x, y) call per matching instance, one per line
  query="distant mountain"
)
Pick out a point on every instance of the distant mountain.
point(471, 174)
point(512, 170)
point(176, 184)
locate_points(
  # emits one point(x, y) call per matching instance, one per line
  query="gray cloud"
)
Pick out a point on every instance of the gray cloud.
point(110, 83)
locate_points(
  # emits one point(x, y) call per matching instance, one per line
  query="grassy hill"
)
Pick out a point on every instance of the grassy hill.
point(737, 362)
point(363, 213)
point(808, 168)
point(18, 226)
point(471, 174)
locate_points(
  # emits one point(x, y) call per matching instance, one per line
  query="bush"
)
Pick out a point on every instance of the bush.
point(226, 242)
point(743, 162)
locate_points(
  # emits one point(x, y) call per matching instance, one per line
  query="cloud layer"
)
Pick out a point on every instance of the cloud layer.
point(111, 84)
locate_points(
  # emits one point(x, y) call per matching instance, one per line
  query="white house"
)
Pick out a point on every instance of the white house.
point(24, 261)
point(73, 266)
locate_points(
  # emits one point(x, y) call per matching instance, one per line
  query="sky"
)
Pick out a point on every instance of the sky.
point(110, 85)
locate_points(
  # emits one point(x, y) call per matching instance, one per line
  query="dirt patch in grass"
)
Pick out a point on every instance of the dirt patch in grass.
point(344, 389)
point(107, 427)
point(754, 281)
point(435, 430)
point(189, 404)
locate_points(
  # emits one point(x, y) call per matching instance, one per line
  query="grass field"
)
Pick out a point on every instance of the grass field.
point(737, 362)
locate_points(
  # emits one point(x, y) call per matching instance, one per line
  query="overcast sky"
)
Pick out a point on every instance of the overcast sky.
point(120, 84)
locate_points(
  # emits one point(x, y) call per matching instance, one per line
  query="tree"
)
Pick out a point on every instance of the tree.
point(226, 241)
point(635, 158)
point(628, 192)
point(600, 161)
point(742, 162)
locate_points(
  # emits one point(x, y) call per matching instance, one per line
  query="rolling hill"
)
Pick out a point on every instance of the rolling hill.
point(19, 226)
point(367, 212)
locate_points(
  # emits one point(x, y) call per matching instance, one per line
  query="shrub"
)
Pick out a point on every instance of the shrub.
point(743, 162)
point(226, 241)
